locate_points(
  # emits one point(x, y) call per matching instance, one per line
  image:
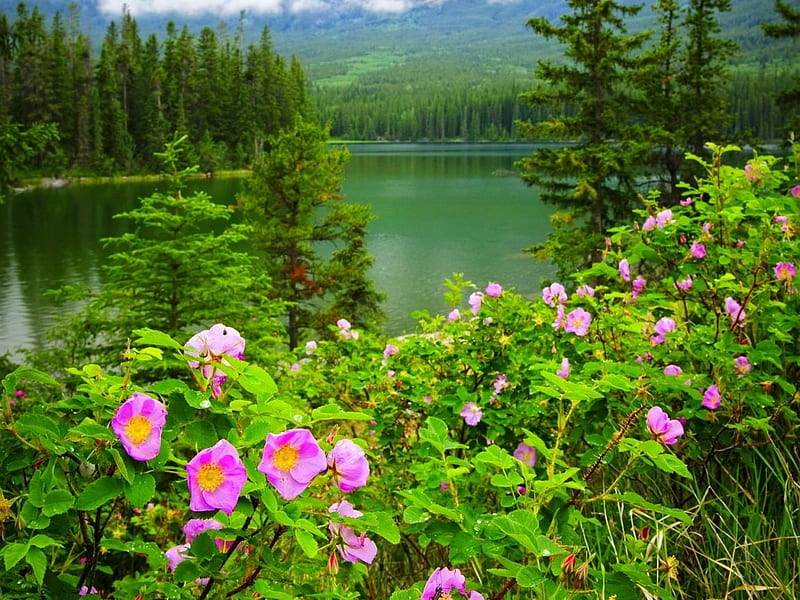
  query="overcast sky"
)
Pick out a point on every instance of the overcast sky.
point(234, 7)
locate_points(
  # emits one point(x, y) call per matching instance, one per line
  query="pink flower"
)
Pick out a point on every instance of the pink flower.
point(211, 346)
point(638, 285)
point(564, 370)
point(311, 346)
point(735, 310)
point(754, 171)
point(741, 366)
point(472, 413)
point(525, 454)
point(390, 350)
point(345, 329)
point(84, 591)
point(796, 191)
point(783, 222)
point(649, 223)
point(664, 218)
point(215, 477)
point(353, 548)
point(585, 291)
point(494, 290)
point(444, 583)
point(664, 326)
point(475, 301)
point(291, 460)
point(560, 317)
point(195, 527)
point(553, 294)
point(662, 428)
point(500, 383)
point(785, 271)
point(697, 250)
point(686, 202)
point(138, 423)
point(624, 270)
point(712, 398)
point(578, 322)
point(176, 555)
point(672, 370)
point(684, 285)
point(455, 315)
point(348, 465)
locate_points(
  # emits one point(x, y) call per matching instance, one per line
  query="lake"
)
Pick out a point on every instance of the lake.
point(441, 209)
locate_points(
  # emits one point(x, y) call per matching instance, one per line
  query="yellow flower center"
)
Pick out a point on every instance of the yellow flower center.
point(210, 477)
point(285, 458)
point(527, 456)
point(138, 429)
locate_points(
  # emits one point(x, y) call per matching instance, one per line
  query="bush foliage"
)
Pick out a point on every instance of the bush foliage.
point(516, 440)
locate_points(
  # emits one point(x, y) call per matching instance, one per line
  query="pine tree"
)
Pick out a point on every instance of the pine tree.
point(704, 75)
point(294, 203)
point(789, 99)
point(594, 177)
point(180, 268)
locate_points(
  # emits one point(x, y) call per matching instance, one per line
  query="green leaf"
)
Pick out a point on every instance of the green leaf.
point(38, 562)
point(635, 499)
point(57, 502)
point(203, 546)
point(257, 381)
point(11, 381)
point(669, 463)
point(510, 480)
point(41, 540)
point(419, 498)
point(307, 542)
point(498, 457)
point(187, 570)
point(529, 576)
point(141, 490)
point(327, 412)
point(122, 466)
point(151, 337)
point(99, 492)
point(89, 428)
point(13, 553)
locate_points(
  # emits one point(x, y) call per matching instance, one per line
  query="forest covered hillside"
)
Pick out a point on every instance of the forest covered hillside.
point(338, 46)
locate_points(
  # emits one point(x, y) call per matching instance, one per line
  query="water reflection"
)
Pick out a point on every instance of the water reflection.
point(439, 210)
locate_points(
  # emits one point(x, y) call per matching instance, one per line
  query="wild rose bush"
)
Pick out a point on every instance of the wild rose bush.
point(631, 432)
point(211, 486)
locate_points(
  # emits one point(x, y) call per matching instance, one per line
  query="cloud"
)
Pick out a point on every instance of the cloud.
point(260, 7)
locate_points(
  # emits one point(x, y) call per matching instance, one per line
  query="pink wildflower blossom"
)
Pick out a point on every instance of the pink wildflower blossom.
point(446, 584)
point(712, 398)
point(578, 322)
point(624, 269)
point(291, 460)
point(348, 465)
point(210, 347)
point(585, 291)
point(662, 428)
point(353, 548)
point(672, 370)
point(500, 383)
point(455, 315)
point(697, 250)
point(560, 317)
point(684, 285)
point(138, 423)
point(565, 368)
point(554, 294)
point(785, 271)
point(471, 413)
point(215, 477)
point(525, 454)
point(494, 290)
point(741, 366)
point(475, 301)
point(735, 311)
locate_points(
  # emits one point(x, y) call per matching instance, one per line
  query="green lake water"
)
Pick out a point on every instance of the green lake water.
point(441, 209)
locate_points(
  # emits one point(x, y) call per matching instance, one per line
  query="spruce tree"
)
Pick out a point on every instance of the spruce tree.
point(313, 243)
point(593, 177)
point(789, 99)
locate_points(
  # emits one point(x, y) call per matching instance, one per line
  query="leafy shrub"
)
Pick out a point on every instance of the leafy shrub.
point(632, 433)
